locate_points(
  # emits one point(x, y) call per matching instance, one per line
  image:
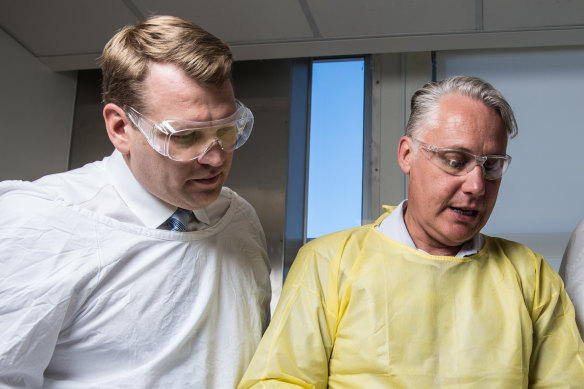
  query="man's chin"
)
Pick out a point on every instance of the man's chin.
point(203, 198)
point(460, 239)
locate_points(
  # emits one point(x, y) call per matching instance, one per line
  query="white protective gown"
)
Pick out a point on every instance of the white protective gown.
point(572, 271)
point(87, 301)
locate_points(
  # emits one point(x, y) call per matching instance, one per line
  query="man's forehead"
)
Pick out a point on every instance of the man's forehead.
point(459, 110)
point(464, 122)
point(169, 93)
point(455, 101)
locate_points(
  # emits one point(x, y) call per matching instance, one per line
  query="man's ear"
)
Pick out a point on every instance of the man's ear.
point(117, 125)
point(405, 154)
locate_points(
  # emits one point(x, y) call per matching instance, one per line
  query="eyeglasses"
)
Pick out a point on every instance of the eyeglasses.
point(183, 140)
point(458, 162)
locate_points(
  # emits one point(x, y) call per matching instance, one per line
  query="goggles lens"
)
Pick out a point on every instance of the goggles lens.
point(187, 144)
point(459, 162)
point(183, 140)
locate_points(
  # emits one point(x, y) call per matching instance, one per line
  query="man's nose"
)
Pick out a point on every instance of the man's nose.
point(212, 155)
point(474, 181)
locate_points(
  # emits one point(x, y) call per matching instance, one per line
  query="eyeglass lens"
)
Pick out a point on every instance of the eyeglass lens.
point(458, 163)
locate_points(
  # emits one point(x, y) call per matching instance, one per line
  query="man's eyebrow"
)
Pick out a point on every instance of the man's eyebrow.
point(453, 148)
point(466, 150)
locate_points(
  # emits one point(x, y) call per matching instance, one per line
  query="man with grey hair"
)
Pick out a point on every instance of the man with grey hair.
point(421, 299)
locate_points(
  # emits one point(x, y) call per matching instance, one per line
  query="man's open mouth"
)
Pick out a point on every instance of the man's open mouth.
point(465, 212)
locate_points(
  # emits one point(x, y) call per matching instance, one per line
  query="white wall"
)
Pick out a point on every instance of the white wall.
point(541, 197)
point(36, 111)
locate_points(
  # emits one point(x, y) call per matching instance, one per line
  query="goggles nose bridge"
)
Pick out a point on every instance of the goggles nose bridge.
point(478, 161)
point(210, 146)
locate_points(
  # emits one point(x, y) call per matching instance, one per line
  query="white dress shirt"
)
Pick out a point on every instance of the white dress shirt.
point(124, 199)
point(394, 227)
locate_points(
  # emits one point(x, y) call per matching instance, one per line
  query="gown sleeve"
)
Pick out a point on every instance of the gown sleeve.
point(557, 359)
point(295, 350)
point(43, 266)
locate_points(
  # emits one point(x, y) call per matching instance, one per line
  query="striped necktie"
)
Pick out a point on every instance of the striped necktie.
point(178, 221)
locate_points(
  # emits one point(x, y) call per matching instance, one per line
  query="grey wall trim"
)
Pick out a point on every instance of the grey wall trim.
point(548, 37)
point(370, 203)
point(411, 43)
point(297, 149)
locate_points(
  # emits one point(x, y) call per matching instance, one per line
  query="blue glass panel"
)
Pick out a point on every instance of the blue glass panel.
point(335, 161)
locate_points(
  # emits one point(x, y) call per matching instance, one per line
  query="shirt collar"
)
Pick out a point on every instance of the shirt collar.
point(394, 227)
point(151, 211)
point(212, 213)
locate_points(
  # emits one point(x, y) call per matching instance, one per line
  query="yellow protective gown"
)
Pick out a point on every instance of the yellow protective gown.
point(359, 310)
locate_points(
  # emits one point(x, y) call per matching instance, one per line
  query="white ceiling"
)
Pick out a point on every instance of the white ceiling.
point(69, 34)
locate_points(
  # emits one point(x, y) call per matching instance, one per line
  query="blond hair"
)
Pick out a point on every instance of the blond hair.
point(165, 39)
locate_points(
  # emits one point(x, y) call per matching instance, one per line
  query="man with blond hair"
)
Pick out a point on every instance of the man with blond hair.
point(140, 270)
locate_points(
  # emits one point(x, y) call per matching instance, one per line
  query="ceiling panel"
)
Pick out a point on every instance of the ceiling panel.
point(63, 27)
point(521, 14)
point(238, 21)
point(349, 18)
point(70, 34)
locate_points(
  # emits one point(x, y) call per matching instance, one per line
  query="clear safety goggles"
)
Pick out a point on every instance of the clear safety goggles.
point(459, 162)
point(183, 140)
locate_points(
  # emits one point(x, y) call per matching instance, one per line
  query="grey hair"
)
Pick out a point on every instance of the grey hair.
point(425, 102)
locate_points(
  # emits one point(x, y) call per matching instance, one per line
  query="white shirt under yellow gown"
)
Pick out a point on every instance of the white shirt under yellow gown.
point(360, 310)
